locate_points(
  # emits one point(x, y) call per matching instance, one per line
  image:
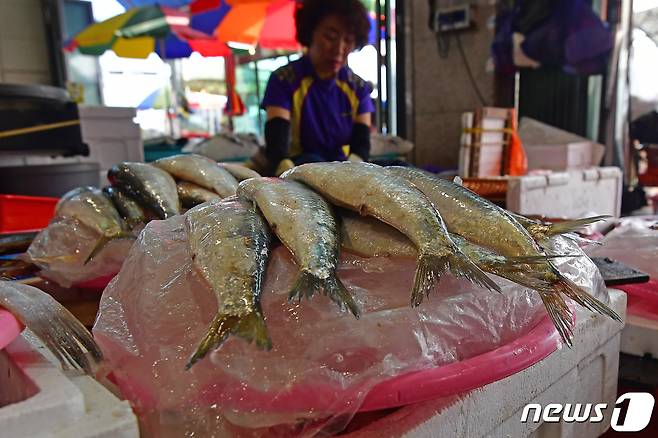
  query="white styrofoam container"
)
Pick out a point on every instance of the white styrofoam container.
point(577, 155)
point(63, 406)
point(570, 194)
point(586, 373)
point(640, 337)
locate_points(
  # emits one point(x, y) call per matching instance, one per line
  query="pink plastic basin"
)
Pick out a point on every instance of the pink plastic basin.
point(10, 328)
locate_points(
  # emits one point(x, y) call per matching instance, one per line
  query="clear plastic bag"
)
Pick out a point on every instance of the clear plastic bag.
point(61, 249)
point(634, 242)
point(324, 361)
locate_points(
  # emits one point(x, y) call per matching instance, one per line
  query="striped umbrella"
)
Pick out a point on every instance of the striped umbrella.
point(141, 31)
point(267, 23)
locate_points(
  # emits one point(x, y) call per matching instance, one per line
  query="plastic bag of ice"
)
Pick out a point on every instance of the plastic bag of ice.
point(324, 361)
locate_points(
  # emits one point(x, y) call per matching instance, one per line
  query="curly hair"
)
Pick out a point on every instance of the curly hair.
point(310, 13)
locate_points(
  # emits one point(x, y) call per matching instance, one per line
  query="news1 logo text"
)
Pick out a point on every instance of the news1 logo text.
point(631, 412)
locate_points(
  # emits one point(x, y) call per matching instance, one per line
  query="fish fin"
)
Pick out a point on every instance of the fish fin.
point(539, 259)
point(560, 315)
point(104, 240)
point(543, 231)
point(306, 284)
point(576, 293)
point(336, 290)
point(250, 327)
point(457, 180)
point(462, 266)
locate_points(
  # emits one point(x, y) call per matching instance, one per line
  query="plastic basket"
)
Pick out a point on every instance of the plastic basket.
point(25, 213)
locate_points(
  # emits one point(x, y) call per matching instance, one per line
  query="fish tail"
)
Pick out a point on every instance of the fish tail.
point(336, 290)
point(250, 327)
point(306, 284)
point(576, 293)
point(560, 315)
point(545, 231)
point(462, 266)
point(429, 270)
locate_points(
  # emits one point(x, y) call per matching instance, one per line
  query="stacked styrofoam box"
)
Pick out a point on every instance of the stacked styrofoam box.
point(570, 194)
point(640, 337)
point(112, 136)
point(586, 373)
point(64, 406)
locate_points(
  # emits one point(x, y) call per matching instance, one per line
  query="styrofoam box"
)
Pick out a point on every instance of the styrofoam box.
point(569, 194)
point(46, 402)
point(586, 373)
point(640, 337)
point(577, 155)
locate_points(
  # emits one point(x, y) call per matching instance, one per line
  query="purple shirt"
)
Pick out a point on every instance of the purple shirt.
point(322, 112)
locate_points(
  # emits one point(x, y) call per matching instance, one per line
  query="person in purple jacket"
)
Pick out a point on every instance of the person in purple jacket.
point(317, 108)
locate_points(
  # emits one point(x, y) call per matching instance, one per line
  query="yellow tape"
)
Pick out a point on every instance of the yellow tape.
point(38, 128)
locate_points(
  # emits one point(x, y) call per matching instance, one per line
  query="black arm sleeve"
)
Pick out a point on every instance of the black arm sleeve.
point(277, 140)
point(360, 141)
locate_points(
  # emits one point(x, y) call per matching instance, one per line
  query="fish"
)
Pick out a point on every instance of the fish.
point(371, 191)
point(191, 195)
point(151, 187)
point(230, 242)
point(368, 237)
point(239, 171)
point(304, 222)
point(201, 171)
point(133, 214)
point(16, 242)
point(58, 329)
point(487, 225)
point(91, 208)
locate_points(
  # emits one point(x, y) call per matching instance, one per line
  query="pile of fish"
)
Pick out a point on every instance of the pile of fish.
point(315, 209)
point(138, 193)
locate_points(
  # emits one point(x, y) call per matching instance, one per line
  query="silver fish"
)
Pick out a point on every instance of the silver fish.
point(371, 191)
point(201, 171)
point(127, 207)
point(485, 224)
point(151, 187)
point(305, 224)
point(91, 208)
point(229, 242)
point(191, 195)
point(239, 171)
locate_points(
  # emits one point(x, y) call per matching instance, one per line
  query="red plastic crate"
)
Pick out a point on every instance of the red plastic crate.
point(25, 213)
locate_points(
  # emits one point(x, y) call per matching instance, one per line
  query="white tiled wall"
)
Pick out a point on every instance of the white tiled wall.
point(23, 51)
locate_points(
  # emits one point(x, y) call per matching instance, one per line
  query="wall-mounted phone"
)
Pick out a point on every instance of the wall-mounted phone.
point(451, 18)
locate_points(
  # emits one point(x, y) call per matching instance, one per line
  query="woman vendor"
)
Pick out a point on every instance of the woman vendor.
point(317, 108)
